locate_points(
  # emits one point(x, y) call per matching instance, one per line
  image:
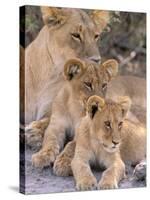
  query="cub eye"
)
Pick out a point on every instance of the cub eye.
point(104, 86)
point(96, 36)
point(76, 36)
point(88, 85)
point(107, 124)
point(120, 125)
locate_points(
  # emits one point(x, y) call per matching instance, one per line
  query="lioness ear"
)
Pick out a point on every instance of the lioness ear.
point(53, 16)
point(94, 104)
point(73, 68)
point(101, 18)
point(110, 68)
point(125, 103)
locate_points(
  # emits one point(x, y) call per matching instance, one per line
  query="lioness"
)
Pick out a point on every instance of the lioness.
point(106, 137)
point(67, 33)
point(83, 79)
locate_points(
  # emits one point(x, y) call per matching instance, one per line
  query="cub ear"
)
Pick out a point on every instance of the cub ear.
point(110, 67)
point(73, 68)
point(53, 16)
point(125, 103)
point(94, 104)
point(101, 18)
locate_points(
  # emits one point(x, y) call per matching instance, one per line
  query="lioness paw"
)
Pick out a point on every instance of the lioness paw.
point(62, 166)
point(34, 132)
point(107, 184)
point(87, 183)
point(33, 138)
point(44, 158)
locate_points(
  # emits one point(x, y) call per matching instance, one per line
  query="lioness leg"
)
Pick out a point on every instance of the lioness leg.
point(54, 139)
point(112, 175)
point(34, 132)
point(83, 175)
point(62, 164)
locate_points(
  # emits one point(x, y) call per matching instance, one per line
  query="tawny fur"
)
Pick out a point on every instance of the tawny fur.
point(83, 79)
point(34, 132)
point(135, 88)
point(44, 58)
point(107, 137)
point(47, 54)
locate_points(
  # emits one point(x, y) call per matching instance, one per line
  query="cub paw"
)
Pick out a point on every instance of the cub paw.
point(44, 158)
point(140, 171)
point(87, 183)
point(62, 166)
point(107, 184)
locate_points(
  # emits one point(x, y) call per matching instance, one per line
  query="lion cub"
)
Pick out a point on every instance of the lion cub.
point(106, 137)
point(83, 79)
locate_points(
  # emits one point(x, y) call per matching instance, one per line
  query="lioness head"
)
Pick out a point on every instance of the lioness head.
point(107, 119)
point(88, 78)
point(75, 31)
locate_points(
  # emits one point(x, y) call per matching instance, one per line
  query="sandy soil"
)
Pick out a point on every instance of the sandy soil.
point(43, 181)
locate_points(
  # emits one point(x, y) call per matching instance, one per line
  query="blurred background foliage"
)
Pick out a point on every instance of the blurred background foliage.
point(124, 39)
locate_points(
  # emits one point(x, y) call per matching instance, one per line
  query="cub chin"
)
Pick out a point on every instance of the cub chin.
point(105, 136)
point(83, 79)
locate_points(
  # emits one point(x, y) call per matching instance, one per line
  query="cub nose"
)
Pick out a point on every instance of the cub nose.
point(96, 59)
point(115, 143)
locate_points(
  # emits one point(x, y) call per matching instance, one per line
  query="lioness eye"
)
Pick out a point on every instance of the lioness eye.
point(76, 36)
point(120, 125)
point(104, 86)
point(107, 124)
point(88, 85)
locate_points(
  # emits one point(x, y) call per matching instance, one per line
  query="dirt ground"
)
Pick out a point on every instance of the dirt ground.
point(44, 181)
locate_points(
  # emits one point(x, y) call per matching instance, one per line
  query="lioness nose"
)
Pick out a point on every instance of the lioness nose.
point(96, 59)
point(115, 143)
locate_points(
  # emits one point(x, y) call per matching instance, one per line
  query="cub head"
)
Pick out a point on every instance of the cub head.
point(76, 31)
point(107, 120)
point(88, 78)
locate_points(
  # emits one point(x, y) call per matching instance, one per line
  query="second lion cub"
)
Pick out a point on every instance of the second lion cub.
point(106, 137)
point(83, 79)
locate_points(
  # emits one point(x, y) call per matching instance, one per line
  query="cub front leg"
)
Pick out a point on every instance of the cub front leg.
point(112, 175)
point(54, 139)
point(83, 175)
point(62, 164)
